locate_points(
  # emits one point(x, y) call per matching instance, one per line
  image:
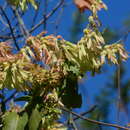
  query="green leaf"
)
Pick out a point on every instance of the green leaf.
point(83, 49)
point(22, 122)
point(13, 2)
point(12, 121)
point(80, 54)
point(33, 3)
point(23, 4)
point(34, 120)
point(23, 98)
point(89, 43)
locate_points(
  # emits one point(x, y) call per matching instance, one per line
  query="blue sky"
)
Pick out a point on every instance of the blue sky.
point(118, 11)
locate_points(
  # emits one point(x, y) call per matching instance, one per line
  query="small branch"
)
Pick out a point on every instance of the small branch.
point(5, 37)
point(10, 97)
point(3, 22)
point(71, 123)
point(43, 20)
point(3, 107)
point(21, 24)
point(94, 121)
point(36, 13)
point(11, 29)
point(44, 14)
point(118, 89)
point(87, 112)
point(57, 23)
point(47, 16)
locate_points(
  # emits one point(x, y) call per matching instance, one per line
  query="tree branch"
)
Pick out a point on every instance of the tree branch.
point(94, 121)
point(11, 29)
point(87, 112)
point(47, 16)
point(10, 97)
point(21, 24)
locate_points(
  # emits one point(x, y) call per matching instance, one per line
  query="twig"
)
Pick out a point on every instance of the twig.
point(10, 97)
point(11, 29)
point(98, 118)
point(44, 14)
point(36, 13)
point(58, 19)
point(71, 122)
point(47, 16)
point(118, 90)
point(5, 37)
point(3, 22)
point(87, 112)
point(22, 26)
point(94, 121)
point(43, 20)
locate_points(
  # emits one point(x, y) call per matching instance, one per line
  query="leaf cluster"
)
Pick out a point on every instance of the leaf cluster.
point(23, 4)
